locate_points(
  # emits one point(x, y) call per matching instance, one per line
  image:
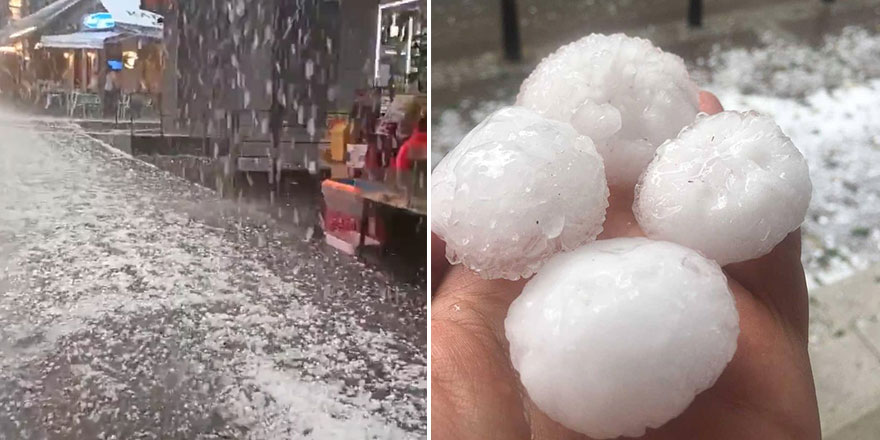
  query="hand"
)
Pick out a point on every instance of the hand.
point(766, 392)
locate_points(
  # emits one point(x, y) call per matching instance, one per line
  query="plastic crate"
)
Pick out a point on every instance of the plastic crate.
point(342, 196)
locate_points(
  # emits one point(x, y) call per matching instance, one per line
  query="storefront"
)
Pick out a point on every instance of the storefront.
point(401, 46)
point(71, 46)
point(72, 61)
point(378, 193)
point(11, 73)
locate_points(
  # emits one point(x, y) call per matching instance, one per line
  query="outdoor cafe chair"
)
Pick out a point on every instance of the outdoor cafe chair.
point(123, 110)
point(89, 104)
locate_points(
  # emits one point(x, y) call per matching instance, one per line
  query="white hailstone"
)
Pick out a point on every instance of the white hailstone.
point(732, 186)
point(621, 335)
point(624, 93)
point(518, 189)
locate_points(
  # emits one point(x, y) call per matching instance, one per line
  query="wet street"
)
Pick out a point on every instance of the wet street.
point(137, 305)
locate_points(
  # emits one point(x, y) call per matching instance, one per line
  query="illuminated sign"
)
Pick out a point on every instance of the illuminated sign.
point(128, 12)
point(99, 21)
point(129, 58)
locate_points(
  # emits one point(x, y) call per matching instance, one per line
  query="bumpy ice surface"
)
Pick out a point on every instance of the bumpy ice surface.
point(621, 334)
point(518, 189)
point(623, 92)
point(732, 187)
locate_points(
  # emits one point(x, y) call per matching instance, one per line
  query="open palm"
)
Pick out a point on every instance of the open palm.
point(766, 392)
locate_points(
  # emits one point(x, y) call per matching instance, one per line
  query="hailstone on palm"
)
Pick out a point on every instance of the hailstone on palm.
point(624, 93)
point(617, 336)
point(518, 189)
point(621, 335)
point(732, 186)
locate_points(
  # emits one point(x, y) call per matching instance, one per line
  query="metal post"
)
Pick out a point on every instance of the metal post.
point(510, 30)
point(161, 116)
point(84, 70)
point(695, 13)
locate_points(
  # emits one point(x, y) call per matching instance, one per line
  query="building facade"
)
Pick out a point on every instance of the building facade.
point(269, 62)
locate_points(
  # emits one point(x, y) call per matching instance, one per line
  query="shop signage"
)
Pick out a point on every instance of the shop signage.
point(128, 12)
point(100, 21)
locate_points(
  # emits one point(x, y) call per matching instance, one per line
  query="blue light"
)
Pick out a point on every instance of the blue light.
point(99, 21)
point(114, 64)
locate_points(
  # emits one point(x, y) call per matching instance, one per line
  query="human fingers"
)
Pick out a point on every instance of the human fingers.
point(778, 280)
point(476, 393)
point(439, 264)
point(709, 103)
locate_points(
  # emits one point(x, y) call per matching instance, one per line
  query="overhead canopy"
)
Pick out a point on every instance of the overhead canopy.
point(79, 40)
point(128, 16)
point(42, 18)
point(129, 12)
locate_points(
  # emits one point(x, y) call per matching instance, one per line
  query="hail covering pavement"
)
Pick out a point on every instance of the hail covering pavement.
point(134, 304)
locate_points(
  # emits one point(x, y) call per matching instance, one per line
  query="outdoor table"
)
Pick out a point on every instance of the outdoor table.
point(55, 96)
point(376, 193)
point(90, 103)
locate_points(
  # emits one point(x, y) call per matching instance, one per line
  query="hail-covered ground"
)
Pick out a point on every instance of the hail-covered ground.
point(825, 96)
point(134, 304)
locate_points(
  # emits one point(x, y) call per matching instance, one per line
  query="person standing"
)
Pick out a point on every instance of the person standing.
point(111, 94)
point(417, 142)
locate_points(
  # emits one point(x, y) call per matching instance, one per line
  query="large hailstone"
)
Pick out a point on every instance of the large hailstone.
point(624, 93)
point(620, 335)
point(518, 189)
point(732, 186)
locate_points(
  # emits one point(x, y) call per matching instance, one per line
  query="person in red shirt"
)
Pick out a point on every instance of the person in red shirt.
point(418, 142)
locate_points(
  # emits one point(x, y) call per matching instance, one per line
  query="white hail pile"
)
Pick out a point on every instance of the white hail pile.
point(618, 335)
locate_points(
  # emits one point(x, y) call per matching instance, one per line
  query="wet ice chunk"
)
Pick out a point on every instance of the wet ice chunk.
point(601, 121)
point(517, 190)
point(650, 91)
point(732, 187)
point(620, 335)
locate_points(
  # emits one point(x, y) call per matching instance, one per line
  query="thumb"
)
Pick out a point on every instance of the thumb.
point(709, 103)
point(439, 264)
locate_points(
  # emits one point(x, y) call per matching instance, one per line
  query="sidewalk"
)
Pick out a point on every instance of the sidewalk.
point(845, 353)
point(548, 24)
point(867, 427)
point(468, 84)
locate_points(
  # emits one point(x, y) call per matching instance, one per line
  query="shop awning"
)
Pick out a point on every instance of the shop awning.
point(39, 20)
point(79, 40)
point(127, 14)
